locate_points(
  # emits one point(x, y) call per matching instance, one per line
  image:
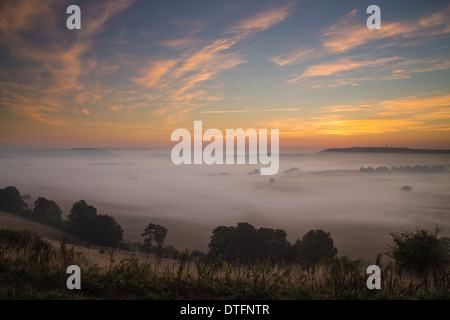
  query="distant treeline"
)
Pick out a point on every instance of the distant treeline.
point(406, 169)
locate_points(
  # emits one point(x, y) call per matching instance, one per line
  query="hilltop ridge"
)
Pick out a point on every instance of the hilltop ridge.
point(386, 150)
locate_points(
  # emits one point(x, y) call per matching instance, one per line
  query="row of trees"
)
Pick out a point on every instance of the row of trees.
point(420, 252)
point(83, 220)
point(246, 244)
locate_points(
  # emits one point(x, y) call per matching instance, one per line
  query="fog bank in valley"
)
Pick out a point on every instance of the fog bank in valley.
point(310, 191)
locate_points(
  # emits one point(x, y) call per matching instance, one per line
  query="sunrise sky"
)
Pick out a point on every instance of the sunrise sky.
point(137, 70)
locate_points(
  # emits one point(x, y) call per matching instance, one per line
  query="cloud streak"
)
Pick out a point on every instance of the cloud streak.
point(355, 70)
point(343, 64)
point(295, 57)
point(250, 110)
point(419, 112)
point(261, 21)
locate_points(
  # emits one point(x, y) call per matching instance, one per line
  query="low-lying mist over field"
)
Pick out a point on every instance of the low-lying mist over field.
point(311, 191)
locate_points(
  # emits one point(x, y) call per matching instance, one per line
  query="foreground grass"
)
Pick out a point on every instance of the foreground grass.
point(33, 268)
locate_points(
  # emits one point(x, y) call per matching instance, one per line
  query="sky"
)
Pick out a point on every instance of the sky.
point(137, 70)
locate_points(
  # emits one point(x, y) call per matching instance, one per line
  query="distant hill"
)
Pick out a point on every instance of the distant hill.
point(385, 150)
point(56, 153)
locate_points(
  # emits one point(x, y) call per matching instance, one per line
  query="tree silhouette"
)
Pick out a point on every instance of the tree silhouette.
point(84, 222)
point(271, 244)
point(315, 246)
point(80, 220)
point(107, 231)
point(280, 245)
point(246, 244)
point(11, 201)
point(47, 211)
point(154, 232)
point(222, 243)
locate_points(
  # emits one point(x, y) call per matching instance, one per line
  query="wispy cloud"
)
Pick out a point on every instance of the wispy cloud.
point(186, 77)
point(261, 21)
point(355, 70)
point(296, 57)
point(350, 34)
point(181, 43)
point(54, 60)
point(155, 73)
point(403, 106)
point(419, 104)
point(419, 112)
point(178, 79)
point(32, 105)
point(243, 98)
point(301, 127)
point(343, 64)
point(250, 110)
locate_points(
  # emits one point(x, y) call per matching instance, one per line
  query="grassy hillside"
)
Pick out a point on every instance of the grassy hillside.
point(33, 265)
point(95, 255)
point(15, 222)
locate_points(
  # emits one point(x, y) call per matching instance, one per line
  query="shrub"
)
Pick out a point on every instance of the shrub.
point(420, 252)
